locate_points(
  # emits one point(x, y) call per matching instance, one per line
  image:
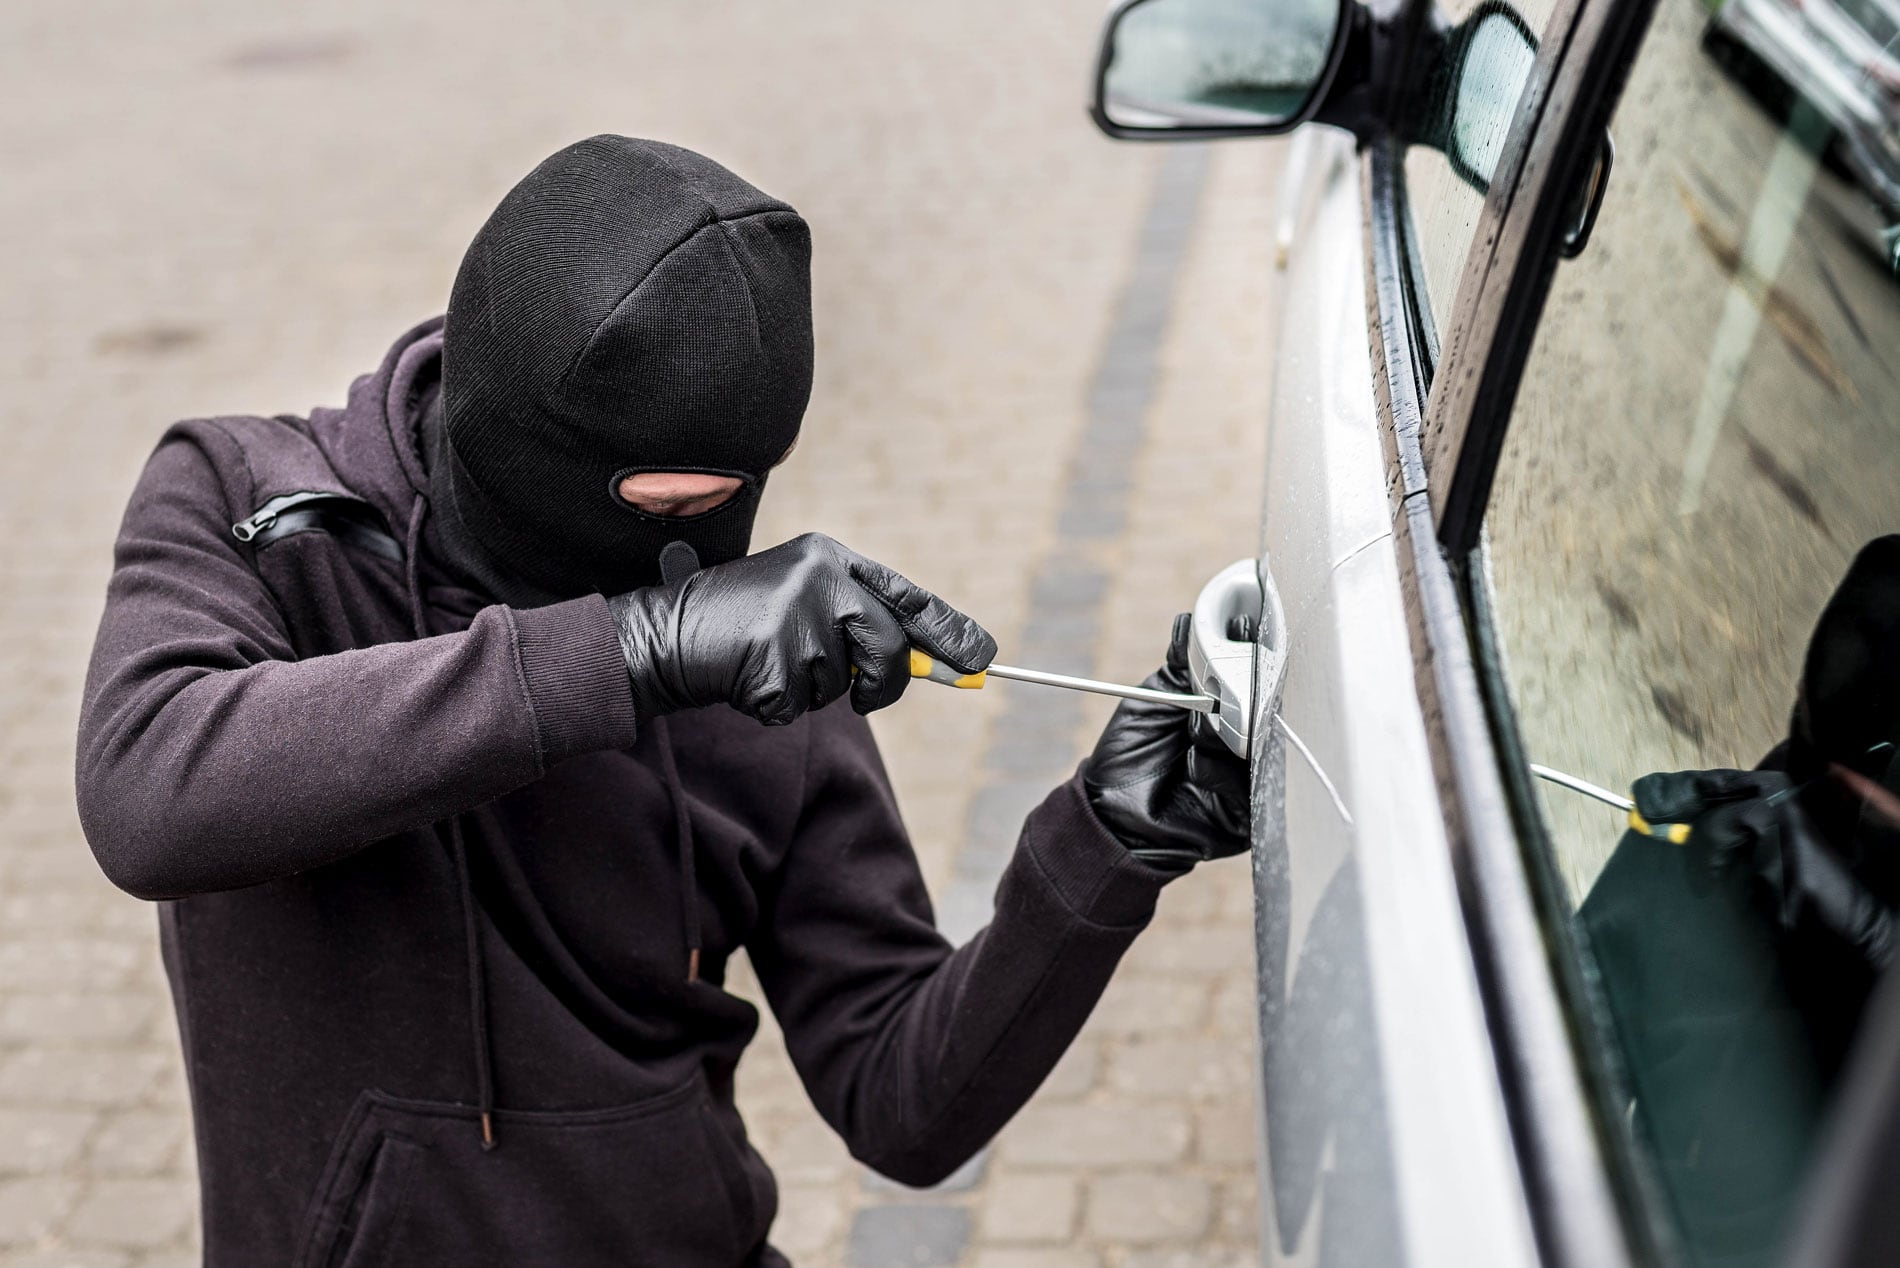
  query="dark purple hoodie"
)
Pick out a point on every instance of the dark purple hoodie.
point(430, 893)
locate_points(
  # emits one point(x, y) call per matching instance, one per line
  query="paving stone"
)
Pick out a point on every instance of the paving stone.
point(41, 1141)
point(30, 1209)
point(61, 912)
point(810, 1219)
point(1237, 1208)
point(1190, 1066)
point(1075, 1074)
point(1227, 1135)
point(1212, 947)
point(1021, 756)
point(66, 866)
point(170, 1091)
point(133, 1213)
point(1203, 1258)
point(1024, 1206)
point(1035, 1257)
point(908, 1236)
point(104, 1076)
point(997, 810)
point(1237, 902)
point(1139, 1004)
point(1190, 900)
point(928, 366)
point(93, 1258)
point(139, 1142)
point(84, 964)
point(1091, 1134)
point(1236, 1006)
point(807, 1152)
point(59, 1018)
point(965, 1178)
point(1057, 588)
point(1146, 1207)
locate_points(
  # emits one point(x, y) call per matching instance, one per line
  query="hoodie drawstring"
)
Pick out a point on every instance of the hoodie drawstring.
point(477, 986)
point(479, 1037)
point(412, 572)
point(683, 836)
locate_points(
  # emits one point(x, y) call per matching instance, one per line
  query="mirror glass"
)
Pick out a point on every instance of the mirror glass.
point(1176, 64)
point(1498, 55)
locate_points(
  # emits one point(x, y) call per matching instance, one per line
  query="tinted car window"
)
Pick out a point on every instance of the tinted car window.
point(1444, 196)
point(1696, 598)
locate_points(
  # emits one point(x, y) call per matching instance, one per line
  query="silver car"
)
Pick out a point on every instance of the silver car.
point(1571, 653)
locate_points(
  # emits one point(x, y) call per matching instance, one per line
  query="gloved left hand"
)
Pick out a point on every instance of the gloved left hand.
point(1166, 788)
point(1753, 820)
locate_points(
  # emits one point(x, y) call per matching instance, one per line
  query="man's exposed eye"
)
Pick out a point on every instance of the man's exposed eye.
point(677, 493)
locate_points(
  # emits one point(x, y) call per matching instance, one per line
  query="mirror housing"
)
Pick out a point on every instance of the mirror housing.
point(1185, 70)
point(1490, 55)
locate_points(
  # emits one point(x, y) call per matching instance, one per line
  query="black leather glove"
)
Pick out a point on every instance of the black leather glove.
point(1752, 819)
point(1162, 783)
point(777, 633)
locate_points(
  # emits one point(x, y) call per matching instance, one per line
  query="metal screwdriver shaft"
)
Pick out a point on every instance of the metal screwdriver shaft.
point(922, 666)
point(1180, 700)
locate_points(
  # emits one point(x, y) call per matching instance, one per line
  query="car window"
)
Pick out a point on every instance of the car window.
point(1444, 195)
point(1695, 595)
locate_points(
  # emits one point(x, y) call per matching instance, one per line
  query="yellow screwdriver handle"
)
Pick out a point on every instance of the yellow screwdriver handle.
point(922, 666)
point(1674, 833)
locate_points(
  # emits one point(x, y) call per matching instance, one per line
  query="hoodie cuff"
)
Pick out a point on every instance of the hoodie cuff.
point(576, 678)
point(1092, 872)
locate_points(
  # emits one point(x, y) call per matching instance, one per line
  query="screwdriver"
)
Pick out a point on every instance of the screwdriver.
point(1674, 833)
point(923, 666)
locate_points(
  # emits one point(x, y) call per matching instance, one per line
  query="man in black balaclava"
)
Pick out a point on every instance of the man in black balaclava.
point(435, 718)
point(629, 308)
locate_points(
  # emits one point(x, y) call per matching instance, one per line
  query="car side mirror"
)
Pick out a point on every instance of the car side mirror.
point(1199, 69)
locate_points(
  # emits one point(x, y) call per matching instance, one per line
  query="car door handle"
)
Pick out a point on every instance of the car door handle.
point(1237, 652)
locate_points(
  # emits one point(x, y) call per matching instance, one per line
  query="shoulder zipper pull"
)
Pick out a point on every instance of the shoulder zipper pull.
point(245, 529)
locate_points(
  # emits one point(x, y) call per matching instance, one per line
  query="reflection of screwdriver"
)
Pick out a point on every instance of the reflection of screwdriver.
point(922, 666)
point(1674, 833)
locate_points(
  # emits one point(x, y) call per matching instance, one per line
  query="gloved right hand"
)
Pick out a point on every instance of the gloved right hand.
point(1753, 820)
point(777, 633)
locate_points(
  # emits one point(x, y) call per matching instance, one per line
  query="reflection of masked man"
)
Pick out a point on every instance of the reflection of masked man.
point(461, 848)
point(1736, 964)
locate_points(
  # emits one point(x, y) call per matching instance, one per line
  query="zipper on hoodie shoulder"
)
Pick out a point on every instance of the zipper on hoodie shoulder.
point(342, 515)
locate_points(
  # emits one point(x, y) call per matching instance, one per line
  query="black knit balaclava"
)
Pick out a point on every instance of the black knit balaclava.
point(630, 306)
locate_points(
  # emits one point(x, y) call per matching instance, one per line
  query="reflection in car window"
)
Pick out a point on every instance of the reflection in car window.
point(1443, 201)
point(1696, 595)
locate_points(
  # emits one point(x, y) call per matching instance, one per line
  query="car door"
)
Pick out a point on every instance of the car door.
point(1606, 511)
point(1421, 1101)
point(1384, 1132)
point(1451, 1054)
point(1671, 523)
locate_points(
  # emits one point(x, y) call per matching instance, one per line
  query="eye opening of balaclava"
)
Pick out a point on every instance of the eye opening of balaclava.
point(630, 306)
point(745, 478)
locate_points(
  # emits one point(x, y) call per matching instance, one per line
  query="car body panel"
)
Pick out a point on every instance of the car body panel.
point(1386, 1140)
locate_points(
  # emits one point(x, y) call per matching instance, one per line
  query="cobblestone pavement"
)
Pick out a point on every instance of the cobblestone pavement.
point(1040, 390)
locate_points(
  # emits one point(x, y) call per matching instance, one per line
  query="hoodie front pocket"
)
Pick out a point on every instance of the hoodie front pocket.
point(642, 1184)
